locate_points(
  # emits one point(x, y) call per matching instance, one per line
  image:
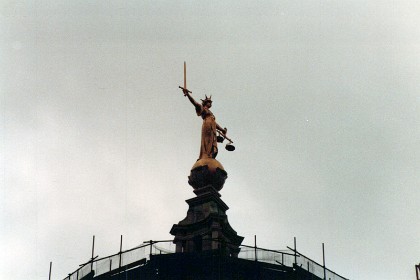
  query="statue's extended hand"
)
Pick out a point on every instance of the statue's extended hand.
point(185, 91)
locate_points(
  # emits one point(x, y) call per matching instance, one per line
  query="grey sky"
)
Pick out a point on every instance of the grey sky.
point(320, 97)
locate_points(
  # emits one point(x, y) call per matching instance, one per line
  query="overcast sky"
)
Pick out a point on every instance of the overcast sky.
point(320, 97)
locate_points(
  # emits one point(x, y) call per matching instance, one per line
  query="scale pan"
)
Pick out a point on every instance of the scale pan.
point(220, 139)
point(230, 147)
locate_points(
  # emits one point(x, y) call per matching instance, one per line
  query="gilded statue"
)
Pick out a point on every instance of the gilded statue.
point(210, 128)
point(208, 148)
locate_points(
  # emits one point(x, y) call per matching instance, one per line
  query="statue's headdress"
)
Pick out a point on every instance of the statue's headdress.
point(206, 100)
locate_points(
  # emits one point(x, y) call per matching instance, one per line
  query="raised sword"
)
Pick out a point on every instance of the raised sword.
point(185, 80)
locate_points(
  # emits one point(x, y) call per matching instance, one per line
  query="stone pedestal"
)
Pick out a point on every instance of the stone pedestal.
point(206, 226)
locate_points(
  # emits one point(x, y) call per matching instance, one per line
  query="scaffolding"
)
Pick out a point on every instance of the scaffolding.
point(142, 254)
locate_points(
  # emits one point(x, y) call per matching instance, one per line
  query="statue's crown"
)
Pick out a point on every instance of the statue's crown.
point(207, 99)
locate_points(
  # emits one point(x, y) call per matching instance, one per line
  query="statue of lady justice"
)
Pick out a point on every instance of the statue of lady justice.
point(208, 148)
point(209, 138)
point(207, 170)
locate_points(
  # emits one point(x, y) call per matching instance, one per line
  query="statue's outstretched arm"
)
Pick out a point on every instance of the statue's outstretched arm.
point(193, 102)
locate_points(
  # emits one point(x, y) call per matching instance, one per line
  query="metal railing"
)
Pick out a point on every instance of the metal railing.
point(315, 268)
point(137, 256)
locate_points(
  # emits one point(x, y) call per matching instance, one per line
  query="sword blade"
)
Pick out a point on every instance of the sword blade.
point(185, 75)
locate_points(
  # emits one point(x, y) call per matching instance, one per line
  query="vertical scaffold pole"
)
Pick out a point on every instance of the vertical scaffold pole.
point(323, 259)
point(49, 277)
point(151, 242)
point(295, 250)
point(119, 265)
point(93, 252)
point(255, 247)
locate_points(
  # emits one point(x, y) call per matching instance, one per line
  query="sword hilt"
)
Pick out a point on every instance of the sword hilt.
point(185, 90)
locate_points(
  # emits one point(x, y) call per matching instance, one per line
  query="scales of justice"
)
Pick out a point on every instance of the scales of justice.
point(206, 227)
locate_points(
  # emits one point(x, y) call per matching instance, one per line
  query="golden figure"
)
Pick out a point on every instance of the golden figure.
point(208, 148)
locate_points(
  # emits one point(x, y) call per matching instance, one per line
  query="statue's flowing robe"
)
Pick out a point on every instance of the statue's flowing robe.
point(208, 147)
